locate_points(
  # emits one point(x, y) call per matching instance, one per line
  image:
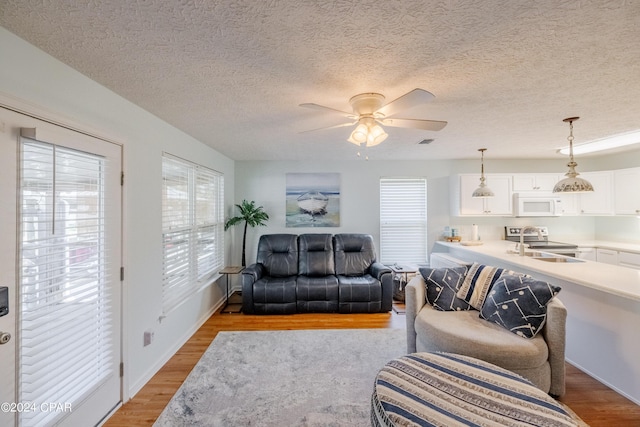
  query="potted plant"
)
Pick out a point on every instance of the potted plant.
point(251, 215)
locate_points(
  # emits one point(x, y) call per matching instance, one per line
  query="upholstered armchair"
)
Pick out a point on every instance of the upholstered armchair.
point(269, 285)
point(366, 286)
point(317, 286)
point(539, 359)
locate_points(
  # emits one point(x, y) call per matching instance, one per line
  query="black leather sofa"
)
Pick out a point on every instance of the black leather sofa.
point(316, 273)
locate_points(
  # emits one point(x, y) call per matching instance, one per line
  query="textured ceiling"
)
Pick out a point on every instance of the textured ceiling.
point(232, 73)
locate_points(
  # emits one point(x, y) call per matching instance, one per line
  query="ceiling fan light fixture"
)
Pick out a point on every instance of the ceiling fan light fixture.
point(368, 132)
point(572, 183)
point(482, 191)
point(359, 134)
point(371, 114)
point(376, 135)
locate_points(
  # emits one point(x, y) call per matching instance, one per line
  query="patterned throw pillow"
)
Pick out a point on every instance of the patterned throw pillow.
point(519, 304)
point(442, 285)
point(477, 283)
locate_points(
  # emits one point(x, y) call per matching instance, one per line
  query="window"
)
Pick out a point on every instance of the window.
point(403, 220)
point(192, 228)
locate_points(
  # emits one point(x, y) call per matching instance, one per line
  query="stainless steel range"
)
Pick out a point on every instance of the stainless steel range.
point(538, 238)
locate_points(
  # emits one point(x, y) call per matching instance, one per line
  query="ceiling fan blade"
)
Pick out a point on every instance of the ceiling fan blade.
point(408, 100)
point(341, 125)
point(326, 109)
point(434, 125)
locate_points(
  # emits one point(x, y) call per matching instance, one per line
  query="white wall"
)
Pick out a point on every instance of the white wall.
point(618, 229)
point(30, 75)
point(264, 182)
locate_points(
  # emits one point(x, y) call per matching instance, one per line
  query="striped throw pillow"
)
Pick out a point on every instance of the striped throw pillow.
point(478, 282)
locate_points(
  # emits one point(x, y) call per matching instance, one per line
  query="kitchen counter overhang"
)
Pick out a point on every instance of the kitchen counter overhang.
point(613, 279)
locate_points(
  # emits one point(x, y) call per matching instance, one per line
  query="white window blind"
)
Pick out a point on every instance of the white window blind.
point(65, 341)
point(192, 228)
point(403, 220)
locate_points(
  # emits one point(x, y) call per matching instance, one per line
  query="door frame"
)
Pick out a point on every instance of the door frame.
point(39, 112)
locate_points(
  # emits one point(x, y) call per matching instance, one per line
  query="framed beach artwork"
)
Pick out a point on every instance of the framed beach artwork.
point(313, 200)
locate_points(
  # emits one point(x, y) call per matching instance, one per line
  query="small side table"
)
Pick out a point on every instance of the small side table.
point(226, 272)
point(401, 273)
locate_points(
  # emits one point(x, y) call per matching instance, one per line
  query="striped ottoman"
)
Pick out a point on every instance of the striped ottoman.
point(444, 389)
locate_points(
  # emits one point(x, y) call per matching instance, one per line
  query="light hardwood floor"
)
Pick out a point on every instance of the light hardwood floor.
point(596, 404)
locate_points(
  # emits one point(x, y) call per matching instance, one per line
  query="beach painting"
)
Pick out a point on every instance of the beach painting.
point(313, 200)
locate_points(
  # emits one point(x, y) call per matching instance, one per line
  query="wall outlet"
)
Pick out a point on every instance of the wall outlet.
point(148, 337)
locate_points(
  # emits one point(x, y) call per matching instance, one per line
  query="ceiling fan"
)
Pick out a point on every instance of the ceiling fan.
point(370, 112)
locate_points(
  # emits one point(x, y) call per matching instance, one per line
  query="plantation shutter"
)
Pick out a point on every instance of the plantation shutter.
point(209, 221)
point(193, 228)
point(65, 343)
point(403, 220)
point(177, 216)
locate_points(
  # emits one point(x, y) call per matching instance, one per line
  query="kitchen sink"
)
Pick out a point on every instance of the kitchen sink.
point(546, 256)
point(551, 258)
point(529, 254)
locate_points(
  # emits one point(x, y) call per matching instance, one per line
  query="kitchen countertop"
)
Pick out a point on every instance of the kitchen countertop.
point(613, 279)
point(605, 244)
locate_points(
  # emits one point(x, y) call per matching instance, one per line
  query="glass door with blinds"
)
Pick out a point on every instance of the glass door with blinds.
point(67, 292)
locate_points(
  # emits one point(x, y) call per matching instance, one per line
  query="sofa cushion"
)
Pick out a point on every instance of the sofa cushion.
point(278, 253)
point(317, 294)
point(442, 285)
point(359, 294)
point(315, 256)
point(465, 333)
point(354, 254)
point(519, 304)
point(359, 288)
point(478, 281)
point(274, 295)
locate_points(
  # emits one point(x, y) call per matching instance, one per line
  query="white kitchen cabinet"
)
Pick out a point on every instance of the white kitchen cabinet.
point(629, 259)
point(570, 203)
point(617, 257)
point(600, 201)
point(465, 205)
point(543, 182)
point(626, 197)
point(608, 256)
point(586, 253)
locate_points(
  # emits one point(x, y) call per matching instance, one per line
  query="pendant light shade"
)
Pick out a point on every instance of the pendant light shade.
point(359, 135)
point(368, 132)
point(572, 183)
point(376, 135)
point(482, 190)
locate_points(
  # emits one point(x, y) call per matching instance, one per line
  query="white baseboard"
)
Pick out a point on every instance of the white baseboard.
point(137, 386)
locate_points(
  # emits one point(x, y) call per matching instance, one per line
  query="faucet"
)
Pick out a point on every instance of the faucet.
point(527, 229)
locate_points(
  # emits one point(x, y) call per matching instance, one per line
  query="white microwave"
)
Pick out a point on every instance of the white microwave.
point(533, 205)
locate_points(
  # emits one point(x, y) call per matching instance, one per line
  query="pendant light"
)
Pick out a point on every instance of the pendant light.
point(572, 184)
point(482, 190)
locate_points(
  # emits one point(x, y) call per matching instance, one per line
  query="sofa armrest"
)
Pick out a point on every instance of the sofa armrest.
point(554, 332)
point(383, 274)
point(378, 269)
point(415, 299)
point(254, 271)
point(250, 275)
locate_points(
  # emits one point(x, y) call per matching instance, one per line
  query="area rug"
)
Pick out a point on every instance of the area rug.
point(285, 378)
